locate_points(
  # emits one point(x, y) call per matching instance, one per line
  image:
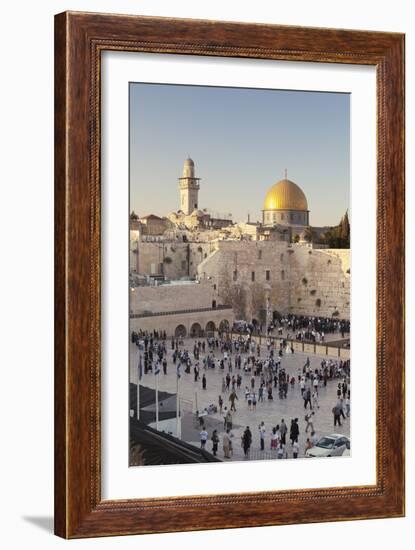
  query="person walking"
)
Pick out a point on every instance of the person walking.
point(262, 431)
point(347, 404)
point(294, 430)
point(227, 444)
point(220, 402)
point(280, 450)
point(215, 442)
point(228, 420)
point(232, 399)
point(309, 421)
point(315, 400)
point(308, 445)
point(283, 431)
point(204, 381)
point(203, 438)
point(274, 439)
point(307, 398)
point(336, 414)
point(246, 441)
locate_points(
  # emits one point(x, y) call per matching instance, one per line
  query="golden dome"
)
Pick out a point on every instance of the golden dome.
point(285, 195)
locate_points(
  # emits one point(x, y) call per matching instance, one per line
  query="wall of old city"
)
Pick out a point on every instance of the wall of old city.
point(319, 281)
point(173, 259)
point(172, 297)
point(297, 278)
point(246, 272)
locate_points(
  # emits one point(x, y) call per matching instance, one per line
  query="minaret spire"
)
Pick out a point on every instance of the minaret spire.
point(285, 174)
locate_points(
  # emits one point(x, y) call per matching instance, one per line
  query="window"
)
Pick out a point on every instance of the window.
point(268, 275)
point(235, 275)
point(282, 216)
point(283, 275)
point(214, 287)
point(253, 276)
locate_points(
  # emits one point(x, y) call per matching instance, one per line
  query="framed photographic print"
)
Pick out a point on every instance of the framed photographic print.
point(229, 281)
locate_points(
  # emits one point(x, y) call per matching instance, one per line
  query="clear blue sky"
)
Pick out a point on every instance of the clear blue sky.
point(241, 140)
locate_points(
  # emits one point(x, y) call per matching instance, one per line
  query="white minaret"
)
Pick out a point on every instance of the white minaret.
point(189, 188)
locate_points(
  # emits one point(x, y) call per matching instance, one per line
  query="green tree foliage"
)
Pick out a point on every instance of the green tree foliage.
point(338, 236)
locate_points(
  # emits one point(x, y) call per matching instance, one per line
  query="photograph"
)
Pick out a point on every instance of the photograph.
point(239, 274)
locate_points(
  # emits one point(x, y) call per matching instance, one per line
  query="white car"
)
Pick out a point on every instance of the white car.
point(329, 445)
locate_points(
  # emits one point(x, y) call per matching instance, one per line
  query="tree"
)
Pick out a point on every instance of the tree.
point(296, 238)
point(345, 231)
point(309, 234)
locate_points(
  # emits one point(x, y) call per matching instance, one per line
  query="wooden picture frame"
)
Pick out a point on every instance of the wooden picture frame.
point(79, 40)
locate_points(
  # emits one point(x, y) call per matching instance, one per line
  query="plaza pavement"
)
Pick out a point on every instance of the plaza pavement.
point(270, 412)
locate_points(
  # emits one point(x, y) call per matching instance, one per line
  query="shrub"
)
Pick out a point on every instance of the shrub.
point(312, 292)
point(304, 281)
point(167, 260)
point(318, 302)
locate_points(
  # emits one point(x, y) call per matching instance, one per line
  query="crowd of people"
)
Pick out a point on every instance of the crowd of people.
point(251, 375)
point(300, 327)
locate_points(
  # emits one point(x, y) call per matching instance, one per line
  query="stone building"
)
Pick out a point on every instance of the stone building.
point(193, 269)
point(189, 188)
point(285, 204)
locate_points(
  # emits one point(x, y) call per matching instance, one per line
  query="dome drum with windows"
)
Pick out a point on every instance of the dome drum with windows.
point(285, 204)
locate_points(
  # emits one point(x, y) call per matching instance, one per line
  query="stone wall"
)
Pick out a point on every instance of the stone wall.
point(246, 272)
point(172, 297)
point(296, 278)
point(173, 259)
point(320, 283)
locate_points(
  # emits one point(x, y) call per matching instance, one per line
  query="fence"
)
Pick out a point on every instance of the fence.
point(329, 349)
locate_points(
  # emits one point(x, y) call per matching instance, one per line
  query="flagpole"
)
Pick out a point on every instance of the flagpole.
point(157, 401)
point(177, 405)
point(138, 386)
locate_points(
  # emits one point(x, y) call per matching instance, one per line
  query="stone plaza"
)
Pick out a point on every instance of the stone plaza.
point(193, 397)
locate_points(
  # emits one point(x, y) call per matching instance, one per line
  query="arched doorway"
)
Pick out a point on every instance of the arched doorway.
point(224, 326)
point(196, 330)
point(180, 331)
point(210, 328)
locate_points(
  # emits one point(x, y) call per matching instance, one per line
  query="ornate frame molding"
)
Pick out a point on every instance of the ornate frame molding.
point(79, 40)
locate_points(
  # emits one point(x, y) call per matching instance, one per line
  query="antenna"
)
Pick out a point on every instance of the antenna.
point(285, 173)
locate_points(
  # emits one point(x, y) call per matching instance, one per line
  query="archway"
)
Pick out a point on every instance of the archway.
point(224, 326)
point(196, 330)
point(210, 328)
point(180, 331)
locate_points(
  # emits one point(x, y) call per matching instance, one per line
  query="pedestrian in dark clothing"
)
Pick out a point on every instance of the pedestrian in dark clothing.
point(246, 441)
point(294, 430)
point(215, 441)
point(307, 398)
point(204, 381)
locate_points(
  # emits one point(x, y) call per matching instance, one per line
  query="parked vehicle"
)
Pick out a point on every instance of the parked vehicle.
point(329, 445)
